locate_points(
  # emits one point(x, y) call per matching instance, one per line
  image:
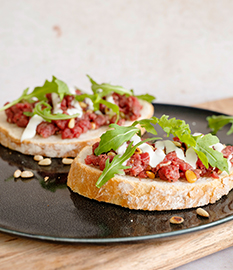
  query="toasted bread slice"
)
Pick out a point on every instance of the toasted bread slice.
point(145, 194)
point(55, 146)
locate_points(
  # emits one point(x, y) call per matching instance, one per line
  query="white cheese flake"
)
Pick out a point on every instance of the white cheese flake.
point(157, 157)
point(110, 99)
point(121, 150)
point(218, 147)
point(89, 103)
point(135, 139)
point(162, 149)
point(72, 90)
point(191, 157)
point(77, 109)
point(56, 103)
point(30, 130)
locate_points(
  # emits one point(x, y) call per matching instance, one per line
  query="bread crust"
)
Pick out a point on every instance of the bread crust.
point(55, 146)
point(145, 194)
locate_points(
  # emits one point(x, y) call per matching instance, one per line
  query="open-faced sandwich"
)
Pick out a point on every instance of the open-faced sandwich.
point(54, 121)
point(188, 171)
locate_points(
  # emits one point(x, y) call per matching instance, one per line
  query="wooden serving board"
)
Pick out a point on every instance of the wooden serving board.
point(167, 253)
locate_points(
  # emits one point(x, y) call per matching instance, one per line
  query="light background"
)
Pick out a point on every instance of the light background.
point(179, 50)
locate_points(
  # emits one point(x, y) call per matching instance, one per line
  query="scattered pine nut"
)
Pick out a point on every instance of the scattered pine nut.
point(38, 157)
point(178, 144)
point(82, 104)
point(138, 151)
point(150, 174)
point(93, 125)
point(45, 162)
point(202, 212)
point(190, 176)
point(71, 123)
point(17, 173)
point(176, 220)
point(46, 178)
point(89, 111)
point(27, 174)
point(111, 154)
point(122, 115)
point(67, 161)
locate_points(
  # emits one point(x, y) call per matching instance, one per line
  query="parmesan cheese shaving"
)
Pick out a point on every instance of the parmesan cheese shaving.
point(30, 130)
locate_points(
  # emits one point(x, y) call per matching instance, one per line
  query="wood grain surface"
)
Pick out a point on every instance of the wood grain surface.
point(167, 253)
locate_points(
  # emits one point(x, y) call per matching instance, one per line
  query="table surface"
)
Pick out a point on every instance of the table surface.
point(24, 253)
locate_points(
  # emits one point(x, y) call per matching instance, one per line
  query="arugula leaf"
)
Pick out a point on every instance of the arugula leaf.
point(40, 92)
point(214, 158)
point(23, 96)
point(108, 88)
point(113, 107)
point(174, 126)
point(216, 123)
point(62, 89)
point(114, 138)
point(116, 166)
point(146, 97)
point(200, 144)
point(55, 86)
point(147, 124)
point(47, 115)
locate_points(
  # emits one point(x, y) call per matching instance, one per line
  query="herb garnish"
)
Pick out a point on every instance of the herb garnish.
point(55, 86)
point(216, 123)
point(117, 166)
point(59, 87)
point(46, 112)
point(105, 89)
point(116, 136)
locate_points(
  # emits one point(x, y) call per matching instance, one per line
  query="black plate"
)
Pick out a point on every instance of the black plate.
point(50, 211)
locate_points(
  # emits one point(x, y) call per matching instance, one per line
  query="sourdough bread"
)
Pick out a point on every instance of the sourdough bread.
point(145, 194)
point(55, 146)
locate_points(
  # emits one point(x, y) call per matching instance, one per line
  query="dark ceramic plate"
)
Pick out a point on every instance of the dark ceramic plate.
point(50, 211)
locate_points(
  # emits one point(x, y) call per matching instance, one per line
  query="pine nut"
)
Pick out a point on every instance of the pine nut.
point(202, 212)
point(122, 115)
point(67, 161)
point(150, 174)
point(176, 220)
point(71, 123)
point(38, 157)
point(45, 162)
point(82, 104)
point(178, 144)
point(89, 111)
point(138, 151)
point(27, 174)
point(190, 176)
point(106, 110)
point(17, 174)
point(93, 125)
point(111, 154)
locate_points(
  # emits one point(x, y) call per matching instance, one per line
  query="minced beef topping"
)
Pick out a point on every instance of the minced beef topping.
point(170, 169)
point(129, 110)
